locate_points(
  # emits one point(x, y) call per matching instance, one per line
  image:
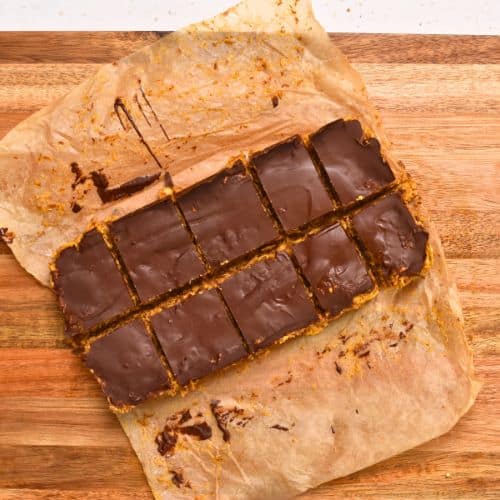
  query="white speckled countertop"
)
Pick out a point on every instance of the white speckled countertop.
point(481, 17)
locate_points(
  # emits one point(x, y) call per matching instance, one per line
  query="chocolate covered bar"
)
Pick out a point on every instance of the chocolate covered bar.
point(392, 238)
point(127, 365)
point(157, 250)
point(352, 161)
point(89, 285)
point(226, 216)
point(332, 264)
point(198, 336)
point(268, 301)
point(264, 250)
point(291, 182)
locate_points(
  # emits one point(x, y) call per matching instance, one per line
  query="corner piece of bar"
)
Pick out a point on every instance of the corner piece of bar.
point(292, 184)
point(89, 285)
point(332, 264)
point(127, 366)
point(394, 241)
point(156, 249)
point(226, 216)
point(354, 164)
point(198, 337)
point(268, 301)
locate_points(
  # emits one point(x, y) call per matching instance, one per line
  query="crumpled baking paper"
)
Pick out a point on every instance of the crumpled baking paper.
point(377, 381)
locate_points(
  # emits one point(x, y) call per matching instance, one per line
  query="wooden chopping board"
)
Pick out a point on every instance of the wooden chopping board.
point(439, 97)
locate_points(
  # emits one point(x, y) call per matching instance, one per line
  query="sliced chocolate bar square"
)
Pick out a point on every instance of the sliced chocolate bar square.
point(127, 365)
point(90, 288)
point(226, 216)
point(156, 249)
point(197, 336)
point(292, 183)
point(354, 164)
point(333, 266)
point(268, 301)
point(395, 242)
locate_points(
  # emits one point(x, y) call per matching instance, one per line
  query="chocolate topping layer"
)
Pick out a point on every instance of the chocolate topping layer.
point(256, 305)
point(268, 301)
point(396, 243)
point(127, 365)
point(226, 216)
point(354, 165)
point(334, 268)
point(197, 336)
point(292, 184)
point(89, 285)
point(156, 249)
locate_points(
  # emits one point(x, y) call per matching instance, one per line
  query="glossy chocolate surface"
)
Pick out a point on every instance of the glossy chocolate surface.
point(127, 365)
point(251, 306)
point(156, 249)
point(89, 285)
point(198, 337)
point(334, 268)
point(292, 183)
point(226, 216)
point(354, 165)
point(396, 243)
point(268, 301)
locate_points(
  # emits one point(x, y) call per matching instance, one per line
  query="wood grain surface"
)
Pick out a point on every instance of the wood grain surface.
point(439, 97)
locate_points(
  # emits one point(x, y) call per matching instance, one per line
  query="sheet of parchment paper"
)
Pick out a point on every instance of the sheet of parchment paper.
point(378, 381)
